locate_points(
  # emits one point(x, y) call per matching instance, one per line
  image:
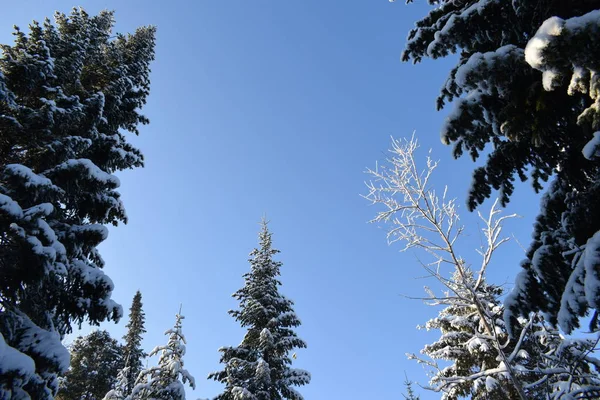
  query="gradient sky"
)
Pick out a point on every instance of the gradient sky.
point(277, 107)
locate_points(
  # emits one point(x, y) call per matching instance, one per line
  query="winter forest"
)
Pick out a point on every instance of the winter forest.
point(325, 200)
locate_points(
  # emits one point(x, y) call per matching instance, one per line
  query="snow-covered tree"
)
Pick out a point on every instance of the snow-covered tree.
point(132, 350)
point(503, 105)
point(68, 93)
point(480, 360)
point(95, 360)
point(166, 380)
point(563, 261)
point(121, 387)
point(260, 367)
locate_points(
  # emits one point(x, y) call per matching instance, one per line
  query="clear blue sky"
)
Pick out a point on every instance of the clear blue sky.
point(277, 107)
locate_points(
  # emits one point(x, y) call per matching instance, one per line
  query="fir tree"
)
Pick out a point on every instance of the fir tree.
point(260, 367)
point(165, 381)
point(95, 358)
point(68, 92)
point(537, 123)
point(132, 350)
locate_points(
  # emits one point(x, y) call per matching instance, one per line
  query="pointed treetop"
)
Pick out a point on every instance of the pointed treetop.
point(260, 367)
point(166, 381)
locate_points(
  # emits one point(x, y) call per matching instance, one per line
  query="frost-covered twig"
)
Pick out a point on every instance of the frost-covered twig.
point(538, 362)
point(422, 219)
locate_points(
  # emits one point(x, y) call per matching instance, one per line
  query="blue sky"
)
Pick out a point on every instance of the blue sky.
point(277, 108)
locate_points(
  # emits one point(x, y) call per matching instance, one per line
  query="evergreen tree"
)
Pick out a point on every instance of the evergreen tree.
point(120, 390)
point(165, 381)
point(534, 121)
point(410, 393)
point(567, 232)
point(260, 367)
point(95, 358)
point(68, 92)
point(132, 350)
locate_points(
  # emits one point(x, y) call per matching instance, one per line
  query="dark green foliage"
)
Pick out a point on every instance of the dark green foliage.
point(410, 393)
point(95, 361)
point(68, 93)
point(133, 353)
point(260, 367)
point(504, 108)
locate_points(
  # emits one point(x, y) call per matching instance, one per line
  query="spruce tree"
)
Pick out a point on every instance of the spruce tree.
point(132, 350)
point(120, 390)
point(95, 360)
point(165, 381)
point(410, 393)
point(534, 118)
point(68, 93)
point(260, 367)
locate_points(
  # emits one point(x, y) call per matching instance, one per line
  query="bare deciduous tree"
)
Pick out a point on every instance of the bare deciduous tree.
point(485, 362)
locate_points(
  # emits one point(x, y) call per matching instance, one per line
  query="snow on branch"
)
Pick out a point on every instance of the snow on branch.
point(423, 219)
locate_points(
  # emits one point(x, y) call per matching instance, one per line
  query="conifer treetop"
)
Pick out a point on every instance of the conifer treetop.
point(133, 352)
point(166, 380)
point(70, 90)
point(260, 367)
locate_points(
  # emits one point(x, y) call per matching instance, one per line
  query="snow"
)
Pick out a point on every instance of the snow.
point(13, 361)
point(45, 344)
point(523, 354)
point(43, 209)
point(263, 372)
point(550, 79)
point(490, 384)
point(590, 150)
point(38, 248)
point(240, 393)
point(170, 371)
point(447, 30)
point(578, 82)
point(93, 172)
point(538, 256)
point(485, 61)
point(573, 298)
point(577, 24)
point(583, 287)
point(98, 229)
point(551, 28)
point(31, 178)
point(11, 207)
point(476, 344)
point(51, 104)
point(90, 274)
point(591, 262)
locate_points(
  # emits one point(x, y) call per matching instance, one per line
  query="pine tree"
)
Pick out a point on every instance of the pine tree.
point(68, 92)
point(95, 358)
point(260, 367)
point(165, 381)
point(132, 351)
point(534, 121)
